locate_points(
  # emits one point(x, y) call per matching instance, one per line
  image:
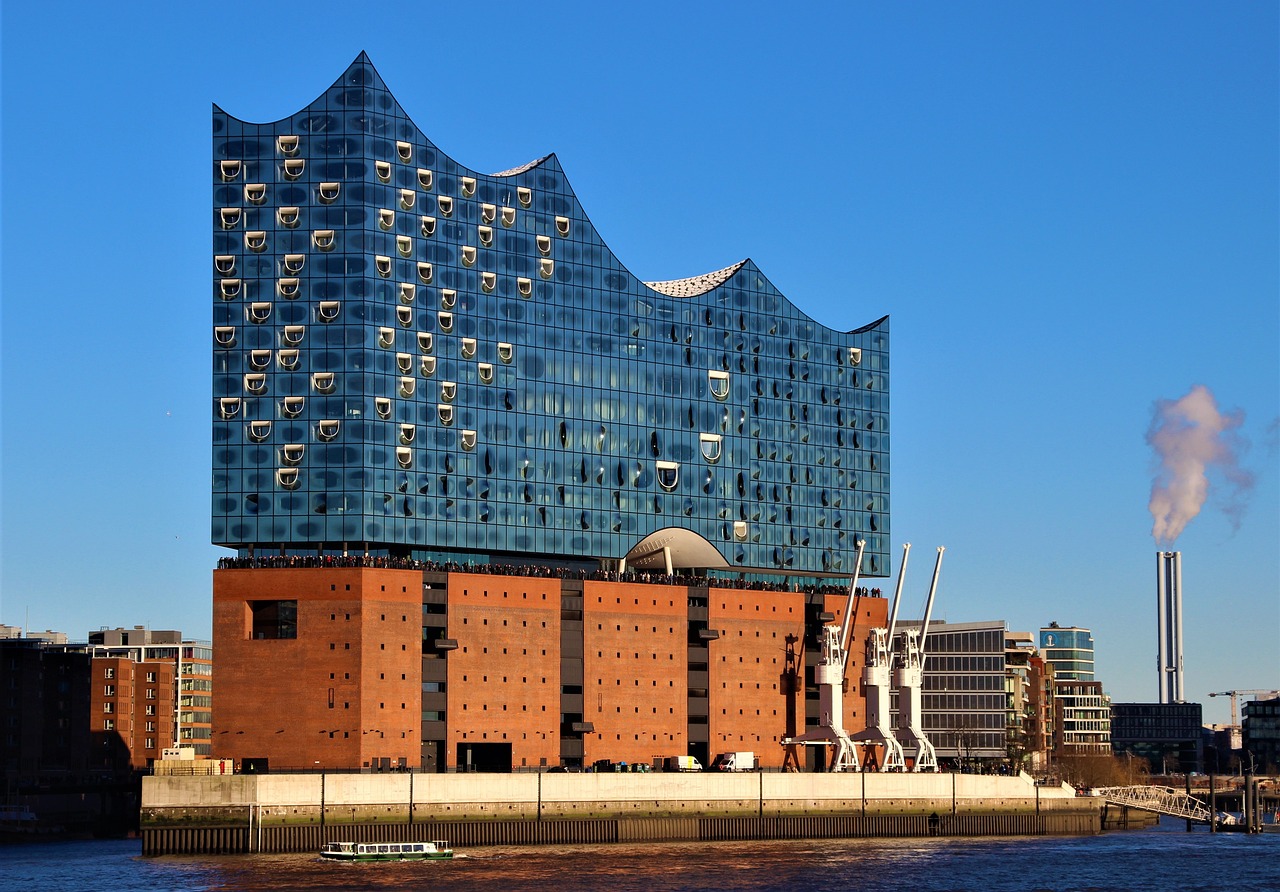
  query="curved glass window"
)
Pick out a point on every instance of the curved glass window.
point(668, 474)
point(710, 447)
point(327, 429)
point(719, 384)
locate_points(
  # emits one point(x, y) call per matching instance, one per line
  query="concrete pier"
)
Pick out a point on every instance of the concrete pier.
point(298, 813)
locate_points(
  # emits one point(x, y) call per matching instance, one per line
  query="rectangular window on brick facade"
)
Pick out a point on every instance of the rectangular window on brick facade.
point(274, 619)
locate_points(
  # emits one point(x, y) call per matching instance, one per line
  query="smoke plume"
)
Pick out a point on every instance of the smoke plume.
point(1191, 437)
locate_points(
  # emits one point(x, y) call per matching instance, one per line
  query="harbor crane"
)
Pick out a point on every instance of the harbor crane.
point(909, 677)
point(875, 686)
point(1235, 700)
point(829, 675)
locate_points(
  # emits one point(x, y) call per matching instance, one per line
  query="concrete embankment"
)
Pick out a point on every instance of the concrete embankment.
point(287, 813)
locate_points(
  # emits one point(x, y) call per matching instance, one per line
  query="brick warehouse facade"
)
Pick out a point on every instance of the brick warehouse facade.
point(327, 667)
point(322, 667)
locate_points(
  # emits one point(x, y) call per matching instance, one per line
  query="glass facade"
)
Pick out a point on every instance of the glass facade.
point(963, 702)
point(1083, 720)
point(1070, 650)
point(416, 359)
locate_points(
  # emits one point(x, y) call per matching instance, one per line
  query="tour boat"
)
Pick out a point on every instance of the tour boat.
point(387, 851)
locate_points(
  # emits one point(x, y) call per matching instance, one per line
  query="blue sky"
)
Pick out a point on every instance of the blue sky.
point(1070, 212)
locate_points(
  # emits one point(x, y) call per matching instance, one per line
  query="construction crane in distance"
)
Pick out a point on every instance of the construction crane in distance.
point(1235, 700)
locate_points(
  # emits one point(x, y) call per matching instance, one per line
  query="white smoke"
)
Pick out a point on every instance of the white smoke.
point(1191, 437)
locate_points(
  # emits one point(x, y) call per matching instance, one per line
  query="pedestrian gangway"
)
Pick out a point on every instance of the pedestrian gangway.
point(1163, 801)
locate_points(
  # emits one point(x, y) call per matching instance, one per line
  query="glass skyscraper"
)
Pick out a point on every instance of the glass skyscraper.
point(415, 359)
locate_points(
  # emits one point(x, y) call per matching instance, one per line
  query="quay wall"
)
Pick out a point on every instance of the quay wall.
point(278, 812)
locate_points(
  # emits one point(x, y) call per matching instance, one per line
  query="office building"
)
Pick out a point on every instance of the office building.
point(44, 723)
point(131, 711)
point(186, 700)
point(1029, 702)
point(495, 502)
point(1261, 733)
point(1082, 710)
point(1168, 736)
point(963, 700)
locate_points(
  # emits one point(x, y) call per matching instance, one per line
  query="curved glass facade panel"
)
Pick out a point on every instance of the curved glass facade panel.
point(414, 357)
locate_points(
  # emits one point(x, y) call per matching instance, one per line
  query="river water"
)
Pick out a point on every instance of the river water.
point(1160, 858)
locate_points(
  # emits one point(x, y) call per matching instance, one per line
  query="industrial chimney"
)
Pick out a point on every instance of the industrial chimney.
point(1169, 620)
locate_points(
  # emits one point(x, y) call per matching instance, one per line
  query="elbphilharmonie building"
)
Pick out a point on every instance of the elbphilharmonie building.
point(416, 359)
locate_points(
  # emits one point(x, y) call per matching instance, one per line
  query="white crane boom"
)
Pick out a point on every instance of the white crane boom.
point(829, 675)
point(875, 686)
point(910, 677)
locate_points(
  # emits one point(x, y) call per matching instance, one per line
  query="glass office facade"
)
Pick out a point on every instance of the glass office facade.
point(963, 702)
point(1070, 650)
point(1083, 711)
point(413, 358)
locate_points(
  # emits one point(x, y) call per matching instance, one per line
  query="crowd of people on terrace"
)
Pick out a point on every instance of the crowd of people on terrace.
point(540, 571)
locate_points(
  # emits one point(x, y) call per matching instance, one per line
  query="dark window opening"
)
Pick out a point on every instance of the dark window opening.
point(274, 619)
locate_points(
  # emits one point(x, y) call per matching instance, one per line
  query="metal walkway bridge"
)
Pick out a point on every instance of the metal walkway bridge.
point(1162, 800)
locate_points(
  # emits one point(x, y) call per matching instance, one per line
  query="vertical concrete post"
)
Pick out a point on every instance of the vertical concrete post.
point(1213, 806)
point(1190, 823)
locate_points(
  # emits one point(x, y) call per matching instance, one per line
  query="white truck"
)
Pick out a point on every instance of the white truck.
point(681, 763)
point(734, 762)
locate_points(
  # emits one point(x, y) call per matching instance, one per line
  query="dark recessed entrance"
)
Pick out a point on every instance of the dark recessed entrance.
point(494, 758)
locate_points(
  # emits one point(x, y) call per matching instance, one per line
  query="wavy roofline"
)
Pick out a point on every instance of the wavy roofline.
point(688, 287)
